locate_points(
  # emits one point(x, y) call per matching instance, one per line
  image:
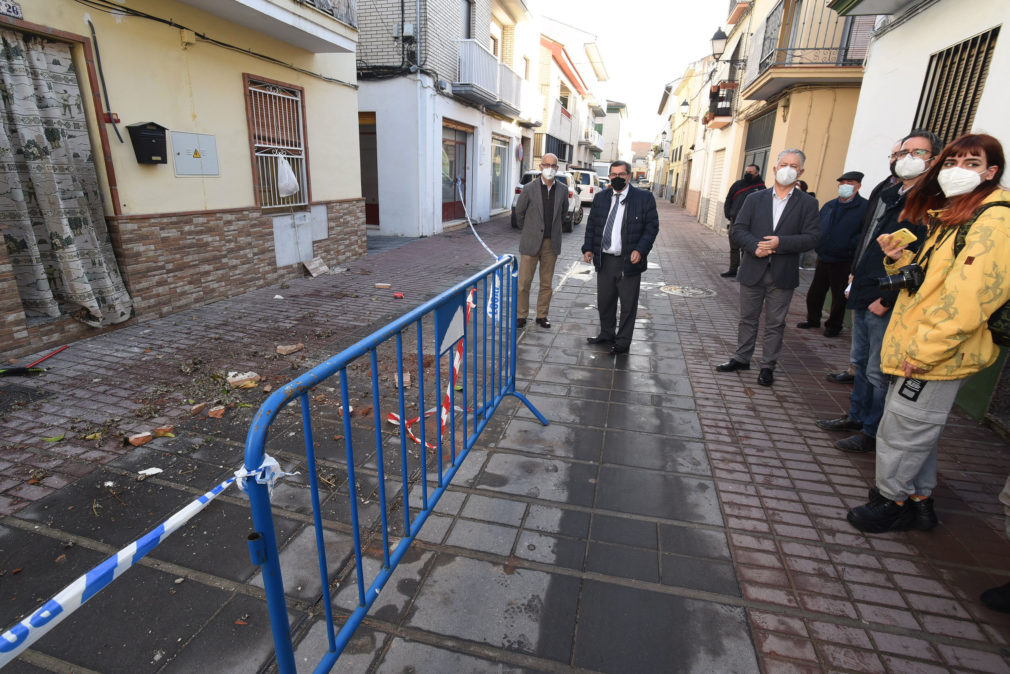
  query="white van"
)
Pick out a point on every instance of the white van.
point(588, 182)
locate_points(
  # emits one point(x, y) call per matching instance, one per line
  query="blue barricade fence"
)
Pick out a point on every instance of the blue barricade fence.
point(473, 326)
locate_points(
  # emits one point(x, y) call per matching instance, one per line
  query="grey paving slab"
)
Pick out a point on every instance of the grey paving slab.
point(510, 608)
point(623, 562)
point(655, 452)
point(673, 497)
point(557, 439)
point(546, 479)
point(569, 410)
point(410, 656)
point(624, 629)
point(657, 420)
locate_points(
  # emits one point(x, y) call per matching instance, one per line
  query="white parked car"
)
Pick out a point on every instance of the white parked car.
point(574, 214)
point(589, 183)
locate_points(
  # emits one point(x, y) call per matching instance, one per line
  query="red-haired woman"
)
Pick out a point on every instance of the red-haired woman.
point(938, 335)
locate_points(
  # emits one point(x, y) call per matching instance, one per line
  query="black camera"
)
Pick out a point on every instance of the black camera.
point(909, 277)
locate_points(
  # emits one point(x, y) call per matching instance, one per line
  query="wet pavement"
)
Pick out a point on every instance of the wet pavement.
point(670, 518)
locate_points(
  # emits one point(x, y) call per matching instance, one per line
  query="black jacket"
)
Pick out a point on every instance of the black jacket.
point(840, 228)
point(638, 229)
point(868, 265)
point(797, 231)
point(737, 195)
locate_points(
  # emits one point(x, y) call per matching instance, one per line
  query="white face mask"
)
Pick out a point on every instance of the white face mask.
point(910, 166)
point(549, 173)
point(786, 176)
point(955, 181)
point(846, 191)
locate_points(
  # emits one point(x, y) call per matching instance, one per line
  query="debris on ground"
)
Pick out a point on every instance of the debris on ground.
point(216, 412)
point(164, 432)
point(196, 409)
point(397, 295)
point(243, 379)
point(316, 266)
point(278, 297)
point(138, 439)
point(406, 379)
point(383, 286)
point(288, 349)
point(147, 472)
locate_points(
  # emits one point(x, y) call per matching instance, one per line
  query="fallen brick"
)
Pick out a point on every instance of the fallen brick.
point(216, 412)
point(286, 349)
point(196, 409)
point(139, 439)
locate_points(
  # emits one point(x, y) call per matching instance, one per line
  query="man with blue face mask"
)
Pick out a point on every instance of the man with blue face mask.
point(841, 219)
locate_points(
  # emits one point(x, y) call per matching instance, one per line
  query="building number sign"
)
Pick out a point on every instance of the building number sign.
point(11, 8)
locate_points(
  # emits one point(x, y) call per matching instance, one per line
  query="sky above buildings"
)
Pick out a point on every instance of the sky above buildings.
point(644, 45)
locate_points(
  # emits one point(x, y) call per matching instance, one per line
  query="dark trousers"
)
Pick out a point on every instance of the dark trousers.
point(613, 285)
point(734, 255)
point(833, 275)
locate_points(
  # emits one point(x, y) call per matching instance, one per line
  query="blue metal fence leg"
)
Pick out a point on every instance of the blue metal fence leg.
point(259, 500)
point(510, 388)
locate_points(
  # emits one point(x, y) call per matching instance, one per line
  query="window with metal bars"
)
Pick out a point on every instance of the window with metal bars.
point(953, 86)
point(275, 114)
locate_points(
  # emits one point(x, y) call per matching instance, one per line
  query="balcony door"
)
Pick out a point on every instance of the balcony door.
point(454, 151)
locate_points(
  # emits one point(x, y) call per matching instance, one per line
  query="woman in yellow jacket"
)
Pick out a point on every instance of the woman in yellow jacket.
point(938, 334)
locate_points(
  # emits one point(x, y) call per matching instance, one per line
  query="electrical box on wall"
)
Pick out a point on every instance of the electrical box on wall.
point(195, 154)
point(148, 140)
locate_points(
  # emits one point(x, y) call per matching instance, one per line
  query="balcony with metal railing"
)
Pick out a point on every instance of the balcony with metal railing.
point(592, 138)
point(318, 26)
point(509, 92)
point(722, 99)
point(801, 43)
point(476, 73)
point(531, 113)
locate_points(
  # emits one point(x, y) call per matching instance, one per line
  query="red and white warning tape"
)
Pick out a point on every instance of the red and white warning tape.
point(394, 418)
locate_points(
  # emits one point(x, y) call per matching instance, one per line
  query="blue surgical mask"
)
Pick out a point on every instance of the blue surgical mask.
point(846, 191)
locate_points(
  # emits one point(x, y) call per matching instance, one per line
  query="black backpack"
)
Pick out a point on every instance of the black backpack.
point(999, 321)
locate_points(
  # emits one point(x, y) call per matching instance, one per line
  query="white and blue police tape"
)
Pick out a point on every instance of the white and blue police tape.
point(53, 612)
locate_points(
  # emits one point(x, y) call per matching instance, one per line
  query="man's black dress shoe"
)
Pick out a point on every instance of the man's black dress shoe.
point(520, 322)
point(842, 423)
point(617, 350)
point(732, 366)
point(808, 325)
point(879, 516)
point(728, 274)
point(766, 377)
point(832, 332)
point(845, 377)
point(860, 443)
point(544, 323)
point(600, 340)
point(997, 598)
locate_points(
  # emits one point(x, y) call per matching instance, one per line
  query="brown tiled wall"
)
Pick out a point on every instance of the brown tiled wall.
point(176, 261)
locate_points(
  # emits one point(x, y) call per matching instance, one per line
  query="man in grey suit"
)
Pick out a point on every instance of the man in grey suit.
point(539, 211)
point(773, 228)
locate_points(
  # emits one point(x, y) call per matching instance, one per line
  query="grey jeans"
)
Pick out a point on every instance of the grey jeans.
point(914, 415)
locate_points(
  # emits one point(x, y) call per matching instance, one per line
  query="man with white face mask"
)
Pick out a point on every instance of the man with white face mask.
point(773, 227)
point(539, 211)
point(871, 305)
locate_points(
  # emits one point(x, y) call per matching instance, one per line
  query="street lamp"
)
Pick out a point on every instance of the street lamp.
point(718, 43)
point(685, 108)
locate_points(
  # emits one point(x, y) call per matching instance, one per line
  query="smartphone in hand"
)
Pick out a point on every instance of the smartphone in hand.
point(903, 237)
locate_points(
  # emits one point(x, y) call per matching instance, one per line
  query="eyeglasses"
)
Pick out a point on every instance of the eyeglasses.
point(548, 165)
point(618, 175)
point(921, 154)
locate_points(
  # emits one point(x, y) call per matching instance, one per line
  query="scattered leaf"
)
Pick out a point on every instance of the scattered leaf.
point(97, 435)
point(55, 438)
point(241, 622)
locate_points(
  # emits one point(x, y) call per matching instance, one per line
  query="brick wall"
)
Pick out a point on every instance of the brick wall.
point(175, 261)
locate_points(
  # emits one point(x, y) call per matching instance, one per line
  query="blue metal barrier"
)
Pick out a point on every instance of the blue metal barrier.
point(475, 324)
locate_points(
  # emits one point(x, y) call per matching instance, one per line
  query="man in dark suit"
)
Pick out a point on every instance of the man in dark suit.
point(773, 228)
point(539, 210)
point(622, 226)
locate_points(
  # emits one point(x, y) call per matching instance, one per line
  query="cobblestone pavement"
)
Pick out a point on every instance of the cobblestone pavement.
point(669, 519)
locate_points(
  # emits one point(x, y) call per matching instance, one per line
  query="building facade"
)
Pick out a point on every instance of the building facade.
point(158, 162)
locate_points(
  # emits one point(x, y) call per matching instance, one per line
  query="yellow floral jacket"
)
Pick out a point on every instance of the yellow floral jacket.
point(942, 327)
